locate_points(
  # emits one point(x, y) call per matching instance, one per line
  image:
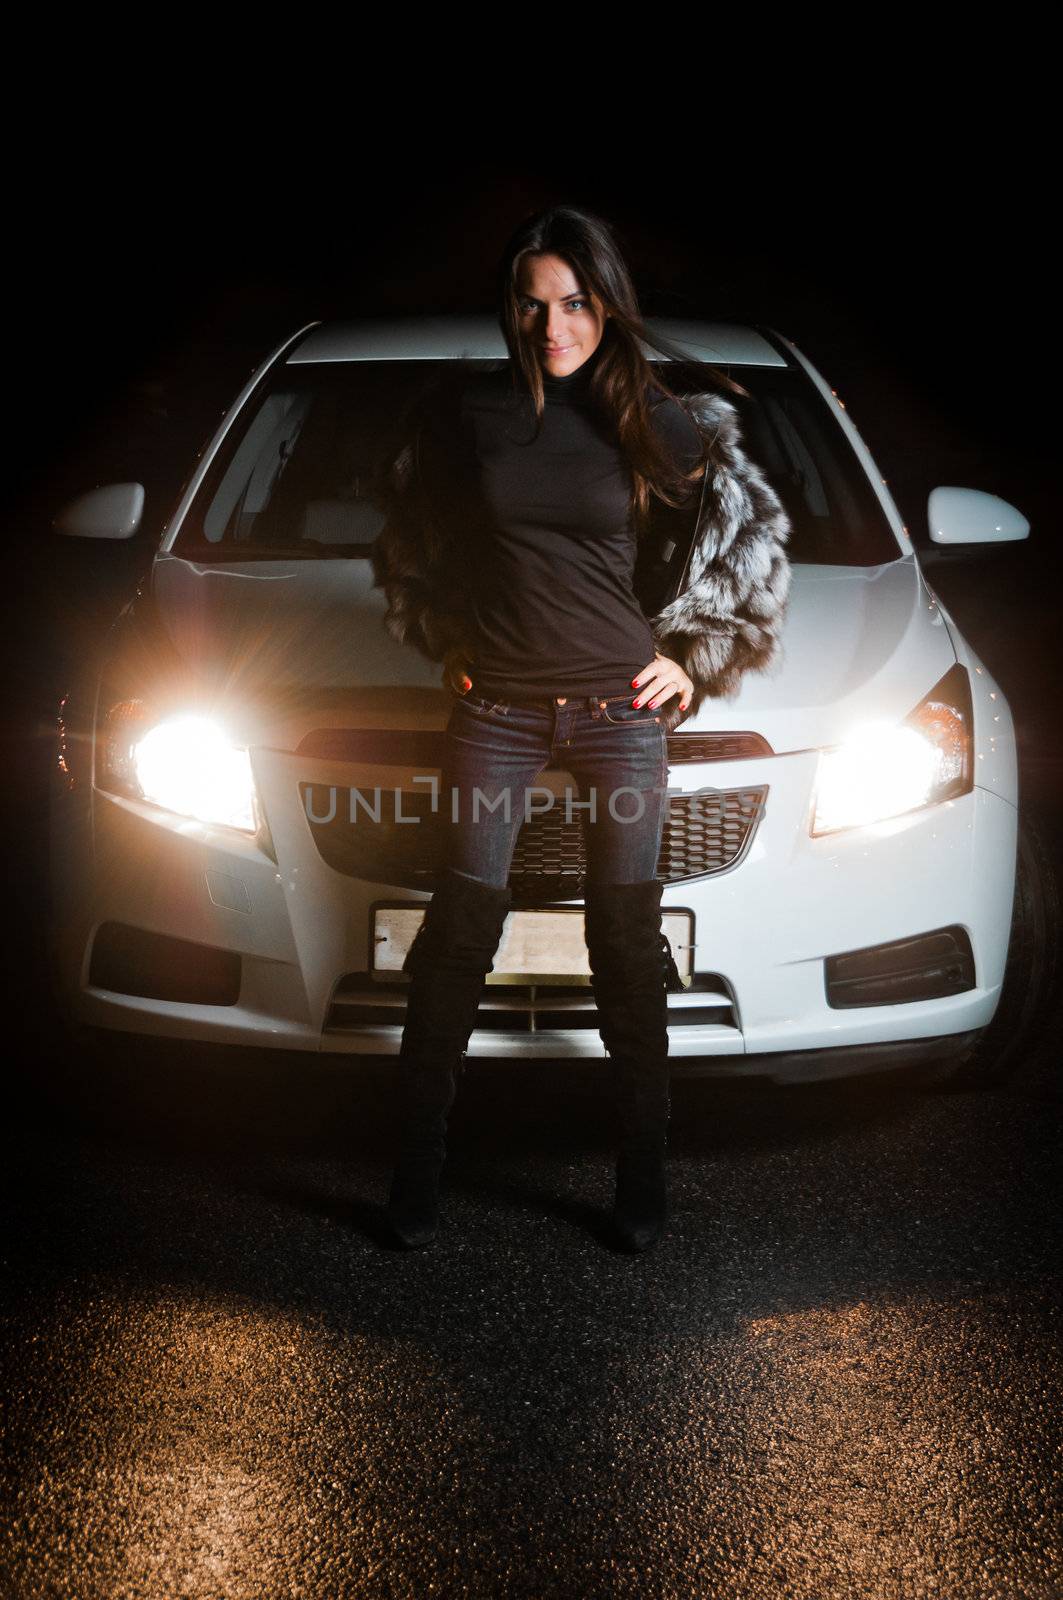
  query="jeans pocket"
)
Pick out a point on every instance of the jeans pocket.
point(618, 709)
point(479, 705)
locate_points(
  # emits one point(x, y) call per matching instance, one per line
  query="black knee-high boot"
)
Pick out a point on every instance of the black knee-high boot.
point(448, 962)
point(630, 963)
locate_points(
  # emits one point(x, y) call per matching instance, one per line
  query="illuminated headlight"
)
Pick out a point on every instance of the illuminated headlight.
point(887, 769)
point(185, 762)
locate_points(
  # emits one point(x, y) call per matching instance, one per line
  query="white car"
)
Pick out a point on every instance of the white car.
point(242, 827)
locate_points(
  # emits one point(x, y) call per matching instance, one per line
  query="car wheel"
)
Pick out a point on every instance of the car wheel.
point(1018, 1046)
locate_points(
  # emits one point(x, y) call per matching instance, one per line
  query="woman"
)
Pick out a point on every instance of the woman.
point(510, 554)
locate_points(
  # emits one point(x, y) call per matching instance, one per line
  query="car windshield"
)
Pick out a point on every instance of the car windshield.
point(298, 473)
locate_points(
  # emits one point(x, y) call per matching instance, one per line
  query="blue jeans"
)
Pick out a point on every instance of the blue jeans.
point(494, 751)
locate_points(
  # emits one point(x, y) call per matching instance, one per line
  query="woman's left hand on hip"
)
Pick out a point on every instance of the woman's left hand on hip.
point(659, 681)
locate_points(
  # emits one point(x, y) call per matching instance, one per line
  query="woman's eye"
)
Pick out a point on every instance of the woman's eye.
point(570, 305)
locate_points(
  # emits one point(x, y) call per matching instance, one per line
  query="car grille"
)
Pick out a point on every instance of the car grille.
point(704, 833)
point(534, 1008)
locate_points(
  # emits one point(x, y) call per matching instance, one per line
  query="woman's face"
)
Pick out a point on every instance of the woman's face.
point(562, 323)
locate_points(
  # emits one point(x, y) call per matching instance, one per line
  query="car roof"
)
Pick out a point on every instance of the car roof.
point(449, 338)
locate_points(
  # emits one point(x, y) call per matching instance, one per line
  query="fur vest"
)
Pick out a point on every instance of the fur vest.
point(725, 621)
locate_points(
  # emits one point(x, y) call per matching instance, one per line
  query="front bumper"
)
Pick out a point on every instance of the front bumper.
point(763, 930)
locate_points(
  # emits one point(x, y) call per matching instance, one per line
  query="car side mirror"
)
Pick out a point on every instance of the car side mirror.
point(970, 516)
point(112, 511)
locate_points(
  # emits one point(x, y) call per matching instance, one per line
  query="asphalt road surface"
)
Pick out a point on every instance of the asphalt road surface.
point(837, 1376)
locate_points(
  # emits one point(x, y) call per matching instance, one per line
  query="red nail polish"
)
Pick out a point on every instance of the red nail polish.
point(635, 702)
point(634, 683)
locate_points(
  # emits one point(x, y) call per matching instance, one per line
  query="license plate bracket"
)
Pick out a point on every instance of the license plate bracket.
point(546, 946)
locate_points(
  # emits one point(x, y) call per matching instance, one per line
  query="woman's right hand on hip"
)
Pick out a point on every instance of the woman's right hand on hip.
point(456, 666)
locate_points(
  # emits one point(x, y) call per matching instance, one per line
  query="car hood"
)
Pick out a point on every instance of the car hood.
point(292, 646)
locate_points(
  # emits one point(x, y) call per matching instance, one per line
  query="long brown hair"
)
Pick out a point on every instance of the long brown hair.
point(623, 381)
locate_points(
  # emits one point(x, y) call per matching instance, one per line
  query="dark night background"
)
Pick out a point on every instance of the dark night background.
point(157, 255)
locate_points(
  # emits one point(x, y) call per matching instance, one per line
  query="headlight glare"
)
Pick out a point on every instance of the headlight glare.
point(185, 762)
point(886, 769)
point(188, 765)
point(879, 772)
